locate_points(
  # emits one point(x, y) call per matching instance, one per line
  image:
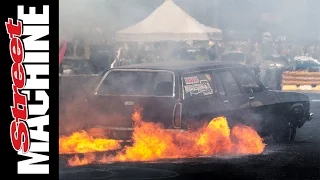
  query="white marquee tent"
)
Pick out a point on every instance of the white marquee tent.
point(168, 23)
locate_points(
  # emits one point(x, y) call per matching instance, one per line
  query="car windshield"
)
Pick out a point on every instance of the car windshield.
point(137, 83)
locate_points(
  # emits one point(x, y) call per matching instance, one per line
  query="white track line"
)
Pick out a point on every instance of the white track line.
point(315, 100)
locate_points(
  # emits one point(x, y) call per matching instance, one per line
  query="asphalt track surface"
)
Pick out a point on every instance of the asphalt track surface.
point(295, 161)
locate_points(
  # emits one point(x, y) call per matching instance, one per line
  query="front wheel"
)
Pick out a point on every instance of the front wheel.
point(287, 134)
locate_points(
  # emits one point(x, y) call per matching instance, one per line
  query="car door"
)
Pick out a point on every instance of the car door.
point(263, 103)
point(200, 100)
point(235, 101)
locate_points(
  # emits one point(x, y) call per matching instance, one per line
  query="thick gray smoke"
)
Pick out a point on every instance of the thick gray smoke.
point(77, 16)
point(297, 19)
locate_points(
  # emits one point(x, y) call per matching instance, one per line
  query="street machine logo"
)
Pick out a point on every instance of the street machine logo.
point(29, 72)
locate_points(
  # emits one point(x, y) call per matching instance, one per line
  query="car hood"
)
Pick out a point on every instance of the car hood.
point(291, 96)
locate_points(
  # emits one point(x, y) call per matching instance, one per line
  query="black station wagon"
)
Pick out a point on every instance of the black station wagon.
point(184, 94)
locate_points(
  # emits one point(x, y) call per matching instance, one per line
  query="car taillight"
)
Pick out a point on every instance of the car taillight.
point(177, 115)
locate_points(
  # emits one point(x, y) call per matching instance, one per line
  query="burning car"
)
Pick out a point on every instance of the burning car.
point(183, 95)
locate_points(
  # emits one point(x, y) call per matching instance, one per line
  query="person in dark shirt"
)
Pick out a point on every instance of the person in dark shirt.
point(212, 52)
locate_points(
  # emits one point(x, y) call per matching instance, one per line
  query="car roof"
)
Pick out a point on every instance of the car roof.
point(182, 66)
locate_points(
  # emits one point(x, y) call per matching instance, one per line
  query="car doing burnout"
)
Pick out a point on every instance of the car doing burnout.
point(186, 94)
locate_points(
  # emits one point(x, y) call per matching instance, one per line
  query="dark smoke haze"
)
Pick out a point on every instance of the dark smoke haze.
point(299, 20)
point(296, 19)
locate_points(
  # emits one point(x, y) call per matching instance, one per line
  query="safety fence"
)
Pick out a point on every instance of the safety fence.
point(300, 81)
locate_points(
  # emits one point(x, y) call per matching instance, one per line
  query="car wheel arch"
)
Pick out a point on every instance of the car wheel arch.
point(287, 133)
point(296, 113)
point(296, 107)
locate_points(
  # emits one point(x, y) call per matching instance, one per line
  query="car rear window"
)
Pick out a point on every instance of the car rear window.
point(137, 83)
point(198, 84)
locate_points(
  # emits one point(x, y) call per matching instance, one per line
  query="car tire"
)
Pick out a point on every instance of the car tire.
point(287, 131)
point(286, 135)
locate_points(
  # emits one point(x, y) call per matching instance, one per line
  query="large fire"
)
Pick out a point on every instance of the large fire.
point(151, 142)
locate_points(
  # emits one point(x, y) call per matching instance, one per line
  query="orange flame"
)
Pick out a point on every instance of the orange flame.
point(82, 142)
point(151, 142)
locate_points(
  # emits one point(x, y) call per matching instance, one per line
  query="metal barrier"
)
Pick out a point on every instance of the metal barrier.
point(300, 81)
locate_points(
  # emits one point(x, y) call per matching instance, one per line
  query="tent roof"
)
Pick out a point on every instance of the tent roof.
point(167, 22)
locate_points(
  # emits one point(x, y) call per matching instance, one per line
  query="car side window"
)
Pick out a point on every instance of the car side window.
point(247, 79)
point(163, 84)
point(162, 77)
point(219, 85)
point(230, 84)
point(136, 83)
